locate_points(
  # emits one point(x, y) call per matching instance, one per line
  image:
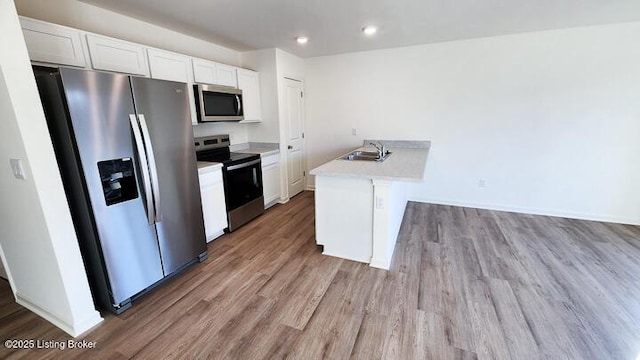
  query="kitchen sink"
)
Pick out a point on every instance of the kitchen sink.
point(359, 155)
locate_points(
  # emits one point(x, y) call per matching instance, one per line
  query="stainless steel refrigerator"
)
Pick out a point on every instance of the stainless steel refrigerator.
point(126, 155)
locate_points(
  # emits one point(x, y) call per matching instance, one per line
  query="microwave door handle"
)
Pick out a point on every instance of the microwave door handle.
point(152, 166)
point(144, 168)
point(239, 105)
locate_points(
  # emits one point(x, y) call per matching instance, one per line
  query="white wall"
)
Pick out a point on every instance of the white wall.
point(549, 120)
point(38, 238)
point(237, 132)
point(264, 62)
point(273, 65)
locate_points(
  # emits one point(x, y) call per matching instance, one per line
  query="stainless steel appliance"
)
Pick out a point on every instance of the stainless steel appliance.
point(218, 103)
point(242, 178)
point(125, 151)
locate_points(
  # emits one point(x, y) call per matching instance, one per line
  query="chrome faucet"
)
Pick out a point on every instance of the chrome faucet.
point(382, 151)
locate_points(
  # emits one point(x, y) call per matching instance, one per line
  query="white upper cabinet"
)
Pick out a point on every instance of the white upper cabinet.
point(169, 66)
point(226, 75)
point(249, 83)
point(209, 72)
point(117, 55)
point(50, 43)
point(204, 71)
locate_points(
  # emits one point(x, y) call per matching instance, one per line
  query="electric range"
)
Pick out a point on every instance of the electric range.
point(242, 178)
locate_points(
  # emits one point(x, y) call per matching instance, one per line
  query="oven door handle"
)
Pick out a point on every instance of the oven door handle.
point(244, 165)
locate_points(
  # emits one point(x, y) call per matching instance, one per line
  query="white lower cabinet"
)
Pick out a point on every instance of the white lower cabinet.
point(271, 179)
point(213, 202)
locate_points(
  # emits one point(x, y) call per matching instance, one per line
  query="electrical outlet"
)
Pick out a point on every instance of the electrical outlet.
point(354, 131)
point(482, 183)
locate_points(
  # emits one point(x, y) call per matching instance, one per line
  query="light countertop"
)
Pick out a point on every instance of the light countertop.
point(406, 163)
point(204, 164)
point(260, 148)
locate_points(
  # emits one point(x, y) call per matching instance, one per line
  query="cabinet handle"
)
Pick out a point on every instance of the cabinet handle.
point(289, 147)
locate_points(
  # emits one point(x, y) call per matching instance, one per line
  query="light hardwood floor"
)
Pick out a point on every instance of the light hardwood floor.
point(464, 284)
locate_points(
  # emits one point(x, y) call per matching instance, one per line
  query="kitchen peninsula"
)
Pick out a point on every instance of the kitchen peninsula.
point(360, 204)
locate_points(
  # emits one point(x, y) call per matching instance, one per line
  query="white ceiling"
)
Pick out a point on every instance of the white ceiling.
point(334, 26)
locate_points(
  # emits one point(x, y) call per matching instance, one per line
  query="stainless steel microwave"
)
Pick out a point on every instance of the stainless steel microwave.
point(218, 103)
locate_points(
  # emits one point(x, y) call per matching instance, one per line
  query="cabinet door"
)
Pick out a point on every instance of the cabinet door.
point(169, 66)
point(204, 71)
point(226, 75)
point(271, 179)
point(213, 203)
point(249, 83)
point(117, 55)
point(52, 43)
point(209, 72)
point(271, 184)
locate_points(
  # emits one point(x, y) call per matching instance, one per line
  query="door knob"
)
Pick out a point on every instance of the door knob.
point(289, 147)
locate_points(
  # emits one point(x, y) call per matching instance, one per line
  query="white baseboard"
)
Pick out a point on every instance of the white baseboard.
point(283, 201)
point(75, 330)
point(532, 211)
point(311, 188)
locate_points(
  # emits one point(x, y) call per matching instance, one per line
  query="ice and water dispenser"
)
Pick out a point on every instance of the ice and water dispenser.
point(118, 180)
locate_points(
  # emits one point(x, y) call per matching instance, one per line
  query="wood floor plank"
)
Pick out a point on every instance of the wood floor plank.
point(401, 338)
point(488, 334)
point(233, 335)
point(517, 334)
point(432, 342)
point(549, 331)
point(299, 300)
point(464, 284)
point(369, 343)
point(288, 271)
point(333, 329)
point(430, 293)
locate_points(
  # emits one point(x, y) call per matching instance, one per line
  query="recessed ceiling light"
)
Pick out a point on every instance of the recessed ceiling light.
point(369, 30)
point(302, 40)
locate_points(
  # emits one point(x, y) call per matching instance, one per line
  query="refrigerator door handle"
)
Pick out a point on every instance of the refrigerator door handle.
point(144, 168)
point(152, 166)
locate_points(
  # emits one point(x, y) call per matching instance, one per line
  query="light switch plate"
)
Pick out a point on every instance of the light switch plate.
point(18, 169)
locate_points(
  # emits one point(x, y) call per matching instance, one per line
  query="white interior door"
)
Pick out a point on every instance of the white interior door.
point(294, 120)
